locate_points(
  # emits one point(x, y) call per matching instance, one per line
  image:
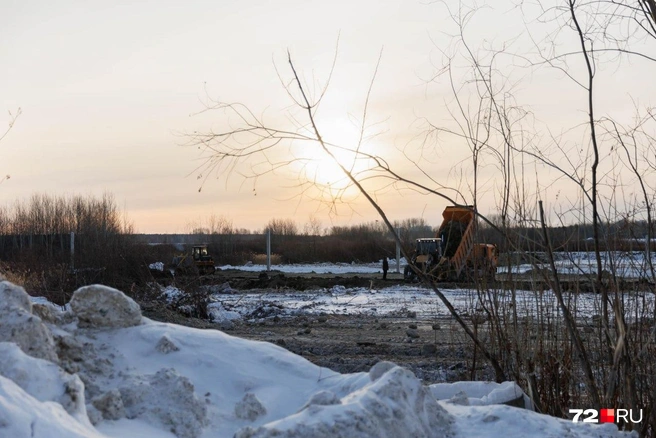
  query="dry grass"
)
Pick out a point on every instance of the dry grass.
point(261, 259)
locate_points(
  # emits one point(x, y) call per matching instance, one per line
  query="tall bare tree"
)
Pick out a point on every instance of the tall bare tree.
point(10, 124)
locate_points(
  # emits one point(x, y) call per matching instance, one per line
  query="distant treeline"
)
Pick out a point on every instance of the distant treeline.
point(370, 242)
point(241, 248)
point(35, 238)
point(35, 242)
point(621, 236)
point(366, 242)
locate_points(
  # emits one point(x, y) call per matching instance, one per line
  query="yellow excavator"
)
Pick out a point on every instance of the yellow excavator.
point(199, 260)
point(452, 255)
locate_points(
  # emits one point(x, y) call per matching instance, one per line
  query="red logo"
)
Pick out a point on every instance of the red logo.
point(607, 416)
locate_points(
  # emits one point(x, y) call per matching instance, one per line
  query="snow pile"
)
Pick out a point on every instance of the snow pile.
point(220, 315)
point(215, 309)
point(171, 294)
point(14, 297)
point(117, 374)
point(20, 326)
point(157, 266)
point(44, 381)
point(338, 290)
point(165, 398)
point(482, 394)
point(395, 404)
point(101, 306)
point(22, 415)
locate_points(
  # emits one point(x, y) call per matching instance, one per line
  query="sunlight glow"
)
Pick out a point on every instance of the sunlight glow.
point(315, 165)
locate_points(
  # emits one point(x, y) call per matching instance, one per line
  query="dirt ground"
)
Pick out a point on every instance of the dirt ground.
point(435, 350)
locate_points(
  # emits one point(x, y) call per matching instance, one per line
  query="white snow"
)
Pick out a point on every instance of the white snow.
point(163, 380)
point(480, 393)
point(400, 299)
point(625, 264)
point(321, 268)
point(45, 381)
point(171, 294)
point(157, 266)
point(22, 415)
point(100, 306)
point(218, 313)
point(630, 264)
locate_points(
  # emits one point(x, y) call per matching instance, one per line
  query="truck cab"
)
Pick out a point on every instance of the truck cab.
point(428, 252)
point(200, 253)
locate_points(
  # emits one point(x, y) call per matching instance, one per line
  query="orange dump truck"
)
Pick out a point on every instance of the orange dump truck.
point(453, 255)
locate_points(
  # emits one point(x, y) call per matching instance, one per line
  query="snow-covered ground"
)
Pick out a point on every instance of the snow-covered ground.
point(625, 264)
point(99, 368)
point(321, 268)
point(390, 300)
point(395, 299)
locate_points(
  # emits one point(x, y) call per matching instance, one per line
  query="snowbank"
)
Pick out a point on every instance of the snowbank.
point(21, 327)
point(43, 380)
point(101, 306)
point(482, 394)
point(396, 404)
point(130, 376)
point(22, 415)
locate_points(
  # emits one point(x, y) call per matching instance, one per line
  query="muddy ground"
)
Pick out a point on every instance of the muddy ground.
point(435, 350)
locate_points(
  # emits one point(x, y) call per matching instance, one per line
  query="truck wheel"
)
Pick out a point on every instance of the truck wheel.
point(408, 273)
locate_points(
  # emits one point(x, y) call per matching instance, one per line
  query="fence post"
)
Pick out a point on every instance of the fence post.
point(647, 252)
point(268, 249)
point(72, 250)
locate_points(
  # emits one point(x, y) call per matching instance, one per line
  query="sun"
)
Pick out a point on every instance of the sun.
point(325, 168)
point(324, 165)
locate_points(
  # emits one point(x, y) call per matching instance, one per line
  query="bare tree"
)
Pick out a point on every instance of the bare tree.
point(282, 227)
point(10, 124)
point(220, 225)
point(313, 226)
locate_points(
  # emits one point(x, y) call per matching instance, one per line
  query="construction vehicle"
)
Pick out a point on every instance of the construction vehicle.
point(452, 255)
point(198, 261)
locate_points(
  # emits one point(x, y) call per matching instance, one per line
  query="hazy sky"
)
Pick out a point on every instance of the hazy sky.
point(107, 88)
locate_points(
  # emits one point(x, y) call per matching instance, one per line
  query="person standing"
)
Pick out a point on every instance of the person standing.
point(385, 268)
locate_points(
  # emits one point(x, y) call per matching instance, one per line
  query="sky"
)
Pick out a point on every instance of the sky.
point(109, 90)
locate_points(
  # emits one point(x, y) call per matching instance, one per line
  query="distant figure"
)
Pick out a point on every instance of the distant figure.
point(385, 268)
